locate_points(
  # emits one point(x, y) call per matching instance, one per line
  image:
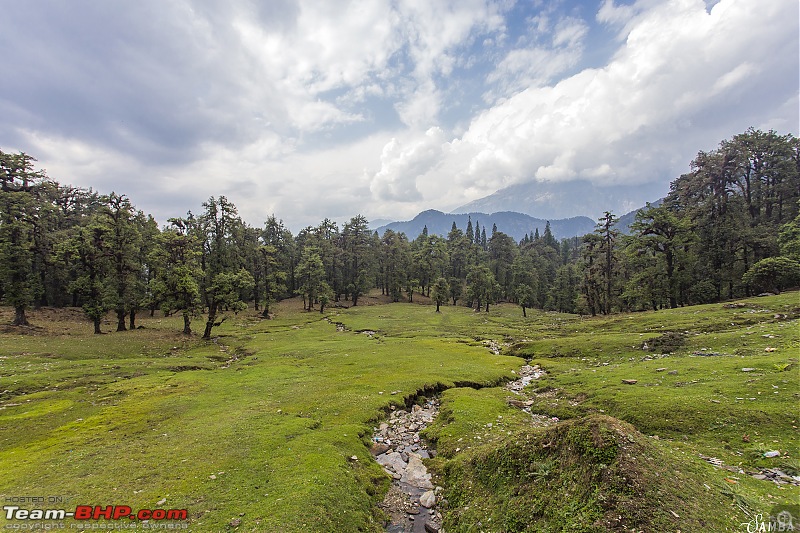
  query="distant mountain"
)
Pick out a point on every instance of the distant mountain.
point(548, 200)
point(517, 225)
point(378, 222)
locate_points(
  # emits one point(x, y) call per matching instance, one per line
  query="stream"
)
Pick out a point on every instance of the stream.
point(412, 499)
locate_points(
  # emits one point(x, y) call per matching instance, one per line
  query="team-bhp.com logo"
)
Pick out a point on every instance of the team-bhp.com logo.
point(94, 512)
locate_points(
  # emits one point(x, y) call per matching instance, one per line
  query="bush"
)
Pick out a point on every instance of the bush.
point(773, 274)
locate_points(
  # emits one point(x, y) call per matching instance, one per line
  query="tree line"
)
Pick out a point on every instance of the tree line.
point(728, 228)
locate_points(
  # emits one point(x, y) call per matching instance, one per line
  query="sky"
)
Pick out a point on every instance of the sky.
point(323, 109)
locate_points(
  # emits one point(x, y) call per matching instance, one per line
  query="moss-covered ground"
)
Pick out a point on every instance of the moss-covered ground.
point(256, 430)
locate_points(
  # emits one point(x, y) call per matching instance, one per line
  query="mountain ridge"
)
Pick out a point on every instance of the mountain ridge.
point(551, 200)
point(514, 224)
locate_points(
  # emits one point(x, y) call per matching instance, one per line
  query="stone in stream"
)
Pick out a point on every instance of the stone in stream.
point(392, 461)
point(428, 499)
point(416, 474)
point(379, 448)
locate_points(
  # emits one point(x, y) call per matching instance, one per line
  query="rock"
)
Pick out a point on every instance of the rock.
point(161, 502)
point(430, 527)
point(748, 369)
point(673, 372)
point(630, 381)
point(770, 349)
point(773, 453)
point(379, 448)
point(235, 522)
point(416, 474)
point(428, 499)
point(660, 369)
point(392, 461)
point(212, 476)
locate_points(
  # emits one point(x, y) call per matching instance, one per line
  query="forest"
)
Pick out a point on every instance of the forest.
point(728, 228)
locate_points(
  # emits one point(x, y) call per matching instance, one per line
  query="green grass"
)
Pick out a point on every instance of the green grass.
point(681, 406)
point(274, 409)
point(118, 419)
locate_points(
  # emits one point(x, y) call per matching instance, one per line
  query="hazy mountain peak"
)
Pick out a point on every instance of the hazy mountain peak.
point(549, 200)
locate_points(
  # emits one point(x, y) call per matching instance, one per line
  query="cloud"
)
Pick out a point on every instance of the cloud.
point(546, 51)
point(683, 76)
point(402, 166)
point(312, 109)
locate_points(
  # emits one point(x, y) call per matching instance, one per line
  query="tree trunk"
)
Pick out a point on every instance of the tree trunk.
point(19, 317)
point(524, 314)
point(212, 315)
point(437, 306)
point(487, 306)
point(187, 323)
point(121, 320)
point(265, 314)
point(97, 326)
point(132, 321)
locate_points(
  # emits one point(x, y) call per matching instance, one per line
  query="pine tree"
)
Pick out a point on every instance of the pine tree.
point(18, 212)
point(440, 292)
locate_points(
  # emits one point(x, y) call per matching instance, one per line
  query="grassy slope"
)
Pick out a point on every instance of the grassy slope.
point(125, 418)
point(678, 416)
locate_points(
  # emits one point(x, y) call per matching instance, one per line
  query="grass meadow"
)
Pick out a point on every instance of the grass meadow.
point(256, 429)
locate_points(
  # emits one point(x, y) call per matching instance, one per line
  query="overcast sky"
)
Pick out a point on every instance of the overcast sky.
point(313, 109)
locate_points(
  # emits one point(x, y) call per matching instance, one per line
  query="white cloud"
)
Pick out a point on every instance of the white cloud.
point(274, 103)
point(402, 166)
point(681, 72)
point(543, 54)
